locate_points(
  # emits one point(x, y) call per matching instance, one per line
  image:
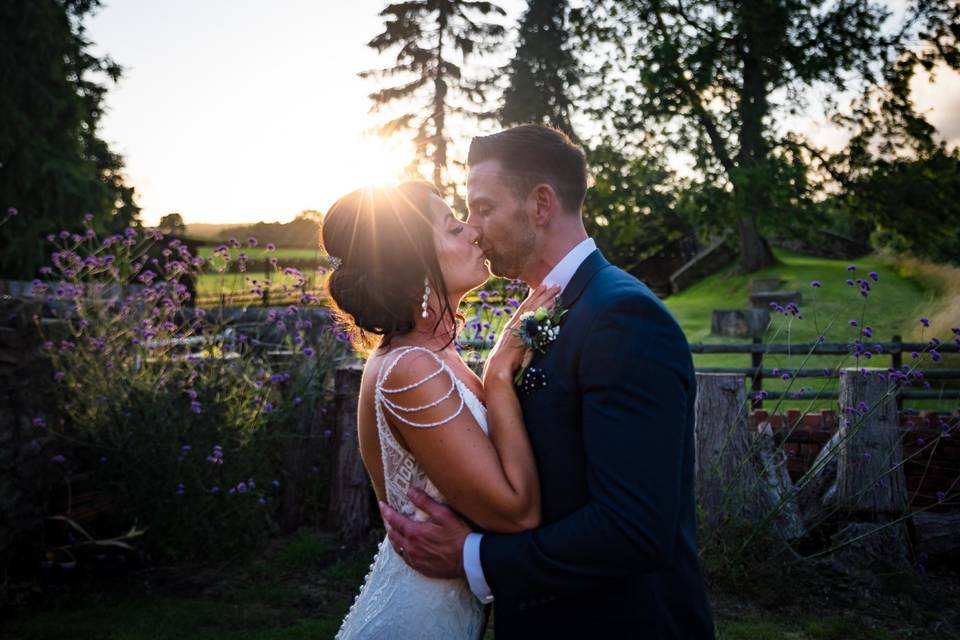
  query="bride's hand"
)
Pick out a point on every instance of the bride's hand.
point(507, 355)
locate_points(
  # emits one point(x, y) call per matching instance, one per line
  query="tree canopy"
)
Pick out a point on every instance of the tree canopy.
point(716, 79)
point(55, 167)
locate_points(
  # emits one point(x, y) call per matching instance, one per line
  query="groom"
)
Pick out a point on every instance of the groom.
point(611, 426)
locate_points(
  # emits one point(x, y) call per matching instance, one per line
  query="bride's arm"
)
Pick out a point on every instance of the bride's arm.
point(490, 480)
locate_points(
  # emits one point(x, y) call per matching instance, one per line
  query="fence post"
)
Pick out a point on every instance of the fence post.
point(756, 385)
point(896, 361)
point(350, 498)
point(871, 491)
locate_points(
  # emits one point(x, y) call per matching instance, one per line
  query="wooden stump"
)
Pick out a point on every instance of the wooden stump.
point(350, 502)
point(727, 488)
point(870, 492)
point(870, 447)
point(741, 477)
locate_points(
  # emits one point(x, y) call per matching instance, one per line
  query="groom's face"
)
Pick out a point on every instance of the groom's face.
point(507, 236)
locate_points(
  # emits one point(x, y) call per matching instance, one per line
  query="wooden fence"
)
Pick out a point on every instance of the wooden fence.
point(874, 472)
point(894, 350)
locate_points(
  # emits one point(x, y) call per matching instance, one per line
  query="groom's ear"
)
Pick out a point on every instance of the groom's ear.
point(544, 202)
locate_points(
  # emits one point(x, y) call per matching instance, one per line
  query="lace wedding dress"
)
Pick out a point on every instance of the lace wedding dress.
point(395, 601)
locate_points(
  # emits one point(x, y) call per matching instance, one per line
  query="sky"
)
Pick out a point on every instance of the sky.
point(244, 110)
point(234, 111)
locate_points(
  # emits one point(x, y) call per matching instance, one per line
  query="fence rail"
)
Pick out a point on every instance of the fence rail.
point(894, 349)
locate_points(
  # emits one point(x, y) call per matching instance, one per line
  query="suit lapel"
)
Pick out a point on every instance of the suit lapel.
point(584, 274)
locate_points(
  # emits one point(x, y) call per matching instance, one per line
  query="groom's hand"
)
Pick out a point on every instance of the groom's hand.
point(433, 548)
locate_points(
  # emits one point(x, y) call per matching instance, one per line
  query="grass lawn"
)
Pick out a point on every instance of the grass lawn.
point(302, 587)
point(898, 300)
point(260, 253)
point(213, 285)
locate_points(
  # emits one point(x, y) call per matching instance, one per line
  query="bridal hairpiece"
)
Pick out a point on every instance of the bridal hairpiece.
point(334, 261)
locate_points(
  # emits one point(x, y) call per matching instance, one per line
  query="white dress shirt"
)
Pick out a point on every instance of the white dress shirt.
point(561, 274)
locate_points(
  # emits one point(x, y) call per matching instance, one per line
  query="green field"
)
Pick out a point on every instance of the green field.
point(260, 253)
point(897, 301)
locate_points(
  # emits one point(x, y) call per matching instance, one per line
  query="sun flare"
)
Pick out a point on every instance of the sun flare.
point(380, 161)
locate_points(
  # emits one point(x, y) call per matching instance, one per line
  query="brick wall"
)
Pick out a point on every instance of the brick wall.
point(931, 446)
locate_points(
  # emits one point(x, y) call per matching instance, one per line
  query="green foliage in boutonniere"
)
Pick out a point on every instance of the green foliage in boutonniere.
point(537, 330)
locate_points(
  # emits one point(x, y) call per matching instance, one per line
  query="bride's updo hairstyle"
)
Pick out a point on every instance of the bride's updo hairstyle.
point(381, 239)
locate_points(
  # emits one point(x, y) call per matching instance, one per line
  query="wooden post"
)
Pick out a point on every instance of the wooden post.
point(896, 361)
point(298, 456)
point(350, 505)
point(740, 476)
point(870, 446)
point(870, 492)
point(756, 361)
point(725, 487)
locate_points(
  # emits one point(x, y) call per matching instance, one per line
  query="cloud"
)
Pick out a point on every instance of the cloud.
point(940, 101)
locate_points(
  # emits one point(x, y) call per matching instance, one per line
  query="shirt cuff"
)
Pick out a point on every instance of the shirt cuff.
point(474, 570)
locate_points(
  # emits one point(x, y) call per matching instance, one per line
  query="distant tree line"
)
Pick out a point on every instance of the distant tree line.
point(301, 233)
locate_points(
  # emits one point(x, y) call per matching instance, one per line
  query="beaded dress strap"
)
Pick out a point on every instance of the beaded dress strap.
point(395, 408)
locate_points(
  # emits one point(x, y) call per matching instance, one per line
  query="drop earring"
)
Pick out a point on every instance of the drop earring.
point(426, 297)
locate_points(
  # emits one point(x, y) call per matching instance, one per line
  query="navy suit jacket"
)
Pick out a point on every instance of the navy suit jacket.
point(612, 432)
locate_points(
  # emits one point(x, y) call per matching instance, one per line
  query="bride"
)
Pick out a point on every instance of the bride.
point(402, 263)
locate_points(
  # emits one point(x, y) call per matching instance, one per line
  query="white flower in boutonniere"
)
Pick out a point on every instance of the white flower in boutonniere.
point(537, 330)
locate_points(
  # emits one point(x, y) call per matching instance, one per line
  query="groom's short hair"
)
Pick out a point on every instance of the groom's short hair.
point(531, 154)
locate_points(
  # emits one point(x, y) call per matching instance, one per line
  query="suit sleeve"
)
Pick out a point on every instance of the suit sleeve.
point(635, 376)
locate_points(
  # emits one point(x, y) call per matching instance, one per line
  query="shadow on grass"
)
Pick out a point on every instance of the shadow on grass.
point(302, 586)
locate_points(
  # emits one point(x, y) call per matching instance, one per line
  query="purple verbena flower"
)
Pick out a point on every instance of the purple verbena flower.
point(816, 284)
point(39, 421)
point(874, 276)
point(925, 321)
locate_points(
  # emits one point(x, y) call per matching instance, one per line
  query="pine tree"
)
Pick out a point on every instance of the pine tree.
point(434, 40)
point(543, 70)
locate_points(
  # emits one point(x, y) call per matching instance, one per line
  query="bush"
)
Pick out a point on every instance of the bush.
point(181, 420)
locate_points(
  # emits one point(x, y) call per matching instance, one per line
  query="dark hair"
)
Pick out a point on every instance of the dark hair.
point(383, 238)
point(531, 154)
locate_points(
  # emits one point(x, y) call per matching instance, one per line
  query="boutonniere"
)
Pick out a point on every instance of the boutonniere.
point(537, 330)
